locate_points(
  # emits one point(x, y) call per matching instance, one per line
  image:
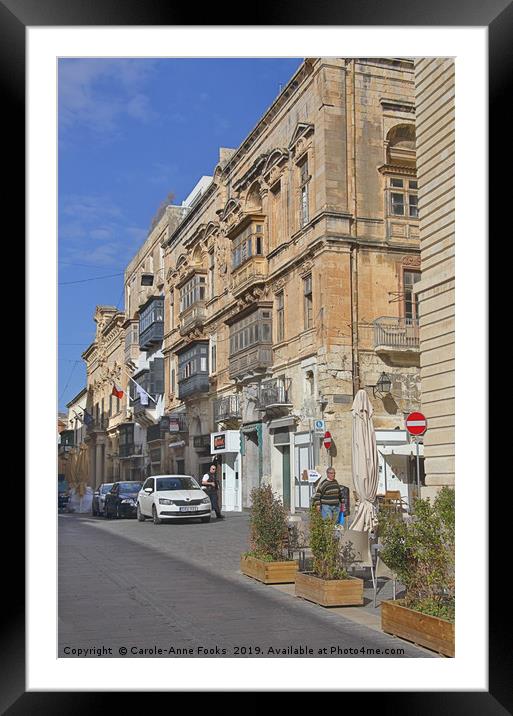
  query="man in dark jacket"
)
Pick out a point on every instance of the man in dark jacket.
point(210, 484)
point(330, 497)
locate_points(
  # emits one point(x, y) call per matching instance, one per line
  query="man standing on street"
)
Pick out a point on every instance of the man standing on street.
point(330, 497)
point(210, 484)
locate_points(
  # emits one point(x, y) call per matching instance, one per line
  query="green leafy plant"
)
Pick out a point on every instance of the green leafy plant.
point(268, 526)
point(421, 552)
point(328, 559)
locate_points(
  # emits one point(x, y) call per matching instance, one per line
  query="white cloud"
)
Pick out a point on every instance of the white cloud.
point(97, 93)
point(93, 231)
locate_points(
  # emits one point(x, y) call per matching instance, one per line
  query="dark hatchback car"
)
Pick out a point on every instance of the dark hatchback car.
point(121, 501)
point(101, 491)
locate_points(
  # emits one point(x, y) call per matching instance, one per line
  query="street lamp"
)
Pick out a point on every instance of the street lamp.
point(383, 386)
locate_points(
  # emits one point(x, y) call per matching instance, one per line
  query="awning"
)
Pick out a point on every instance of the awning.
point(282, 423)
point(407, 449)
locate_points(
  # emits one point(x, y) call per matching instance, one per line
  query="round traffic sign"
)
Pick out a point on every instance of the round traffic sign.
point(416, 423)
point(327, 439)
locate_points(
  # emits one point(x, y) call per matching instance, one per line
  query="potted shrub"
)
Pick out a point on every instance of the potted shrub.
point(328, 584)
point(267, 559)
point(421, 553)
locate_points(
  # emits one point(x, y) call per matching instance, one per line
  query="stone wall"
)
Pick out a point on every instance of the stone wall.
point(434, 90)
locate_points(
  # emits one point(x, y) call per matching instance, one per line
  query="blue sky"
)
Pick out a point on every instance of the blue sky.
point(130, 132)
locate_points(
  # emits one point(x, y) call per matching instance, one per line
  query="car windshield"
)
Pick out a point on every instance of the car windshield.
point(104, 489)
point(130, 486)
point(176, 483)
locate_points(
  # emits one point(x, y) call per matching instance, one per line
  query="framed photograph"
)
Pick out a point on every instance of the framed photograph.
point(235, 316)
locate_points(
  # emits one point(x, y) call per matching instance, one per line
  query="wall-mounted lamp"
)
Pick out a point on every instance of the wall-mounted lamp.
point(383, 386)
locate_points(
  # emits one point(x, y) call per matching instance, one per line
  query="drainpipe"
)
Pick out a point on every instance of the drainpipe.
point(354, 249)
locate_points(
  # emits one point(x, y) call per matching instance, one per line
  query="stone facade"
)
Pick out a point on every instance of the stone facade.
point(104, 363)
point(289, 284)
point(434, 90)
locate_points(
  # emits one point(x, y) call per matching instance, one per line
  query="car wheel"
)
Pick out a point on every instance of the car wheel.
point(156, 518)
point(205, 519)
point(140, 516)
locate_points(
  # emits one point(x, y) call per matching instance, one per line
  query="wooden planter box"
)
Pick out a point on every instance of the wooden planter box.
point(330, 592)
point(269, 572)
point(432, 632)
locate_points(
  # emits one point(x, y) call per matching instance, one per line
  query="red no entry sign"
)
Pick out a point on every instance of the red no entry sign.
point(327, 440)
point(416, 423)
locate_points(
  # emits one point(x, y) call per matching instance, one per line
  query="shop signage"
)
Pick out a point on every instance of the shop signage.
point(219, 442)
point(310, 475)
point(227, 441)
point(174, 425)
point(416, 423)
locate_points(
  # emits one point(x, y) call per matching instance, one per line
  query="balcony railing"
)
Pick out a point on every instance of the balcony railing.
point(193, 316)
point(397, 334)
point(198, 383)
point(253, 271)
point(255, 358)
point(153, 335)
point(130, 449)
point(273, 393)
point(227, 408)
point(139, 408)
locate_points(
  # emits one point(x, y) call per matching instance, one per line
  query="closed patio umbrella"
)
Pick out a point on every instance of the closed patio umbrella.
point(364, 462)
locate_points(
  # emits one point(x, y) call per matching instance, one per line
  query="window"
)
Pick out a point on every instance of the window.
point(253, 329)
point(173, 379)
point(172, 308)
point(397, 204)
point(153, 313)
point(411, 300)
point(213, 354)
point(304, 178)
point(308, 302)
point(211, 267)
point(276, 214)
point(193, 291)
point(147, 279)
point(280, 315)
point(156, 377)
point(247, 244)
point(405, 202)
point(193, 361)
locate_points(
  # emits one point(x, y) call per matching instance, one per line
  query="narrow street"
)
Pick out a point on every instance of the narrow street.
point(140, 588)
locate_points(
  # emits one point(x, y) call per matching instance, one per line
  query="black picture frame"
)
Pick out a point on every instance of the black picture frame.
point(15, 17)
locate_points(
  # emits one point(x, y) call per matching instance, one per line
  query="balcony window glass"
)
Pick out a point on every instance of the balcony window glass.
point(397, 204)
point(411, 300)
point(193, 291)
point(280, 316)
point(247, 244)
point(193, 361)
point(413, 206)
point(249, 331)
point(153, 313)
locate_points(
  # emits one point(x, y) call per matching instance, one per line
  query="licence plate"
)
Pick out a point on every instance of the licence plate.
point(191, 508)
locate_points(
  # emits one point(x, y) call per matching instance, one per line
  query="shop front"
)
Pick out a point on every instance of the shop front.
point(397, 464)
point(225, 446)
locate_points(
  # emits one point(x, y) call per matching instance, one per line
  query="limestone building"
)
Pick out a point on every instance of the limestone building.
point(289, 284)
point(434, 90)
point(104, 361)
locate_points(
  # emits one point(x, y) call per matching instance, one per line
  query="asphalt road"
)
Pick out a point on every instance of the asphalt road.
point(136, 589)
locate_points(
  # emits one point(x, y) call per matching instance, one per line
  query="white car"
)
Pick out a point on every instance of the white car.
point(172, 497)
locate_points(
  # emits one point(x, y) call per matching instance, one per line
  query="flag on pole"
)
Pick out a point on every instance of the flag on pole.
point(88, 418)
point(117, 391)
point(143, 395)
